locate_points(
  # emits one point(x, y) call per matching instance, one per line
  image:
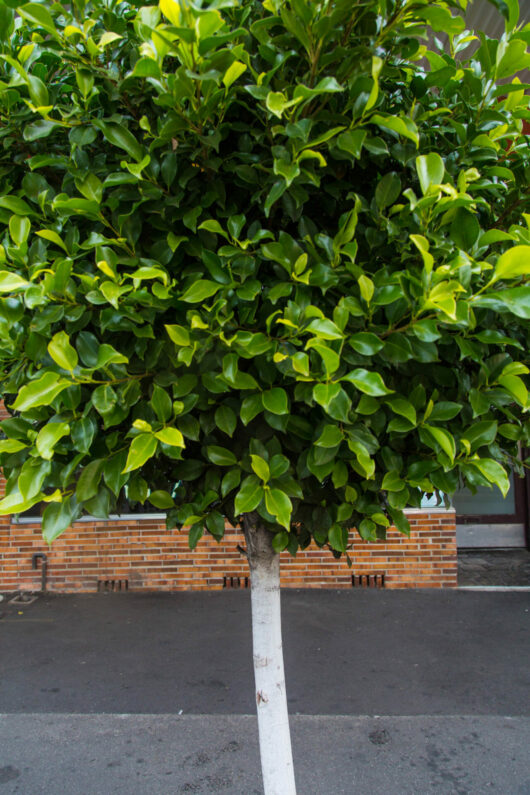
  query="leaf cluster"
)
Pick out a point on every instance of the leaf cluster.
point(260, 257)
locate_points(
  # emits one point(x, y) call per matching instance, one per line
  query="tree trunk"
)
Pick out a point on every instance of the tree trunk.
point(271, 700)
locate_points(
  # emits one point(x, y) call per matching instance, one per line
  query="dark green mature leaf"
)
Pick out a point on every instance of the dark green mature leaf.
point(88, 483)
point(221, 456)
point(387, 190)
point(118, 135)
point(57, 517)
point(226, 420)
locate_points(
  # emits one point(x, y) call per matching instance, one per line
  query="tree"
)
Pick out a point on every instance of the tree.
point(264, 263)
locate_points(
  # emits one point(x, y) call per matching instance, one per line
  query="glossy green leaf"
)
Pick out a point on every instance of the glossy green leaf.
point(367, 382)
point(161, 403)
point(40, 392)
point(249, 495)
point(11, 282)
point(338, 537)
point(280, 506)
point(387, 190)
point(48, 437)
point(276, 401)
point(260, 467)
point(38, 15)
point(352, 142)
point(493, 472)
point(234, 71)
point(58, 517)
point(465, 228)
point(402, 126)
point(331, 436)
point(444, 439)
point(513, 263)
point(365, 343)
point(143, 447)
point(280, 541)
point(179, 335)
point(118, 135)
point(62, 352)
point(226, 420)
point(221, 456)
point(171, 436)
point(161, 499)
point(19, 228)
point(430, 169)
point(200, 291)
point(104, 399)
point(89, 479)
point(516, 387)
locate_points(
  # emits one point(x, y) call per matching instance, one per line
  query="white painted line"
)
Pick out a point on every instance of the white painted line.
point(493, 588)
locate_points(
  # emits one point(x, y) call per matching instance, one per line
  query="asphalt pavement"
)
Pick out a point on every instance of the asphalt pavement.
point(151, 694)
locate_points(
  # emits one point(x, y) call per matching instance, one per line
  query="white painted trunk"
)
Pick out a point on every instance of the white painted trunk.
point(271, 698)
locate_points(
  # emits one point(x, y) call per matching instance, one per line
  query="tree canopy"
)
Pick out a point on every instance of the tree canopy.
point(260, 257)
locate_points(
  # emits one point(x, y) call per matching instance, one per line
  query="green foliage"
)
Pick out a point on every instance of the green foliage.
point(265, 257)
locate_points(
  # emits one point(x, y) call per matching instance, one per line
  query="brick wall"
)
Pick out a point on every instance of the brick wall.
point(151, 558)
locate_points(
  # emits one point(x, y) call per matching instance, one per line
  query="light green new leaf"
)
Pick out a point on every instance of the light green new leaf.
point(392, 482)
point(12, 282)
point(430, 170)
point(11, 446)
point(143, 447)
point(280, 506)
point(15, 503)
point(19, 228)
point(62, 352)
point(48, 437)
point(260, 467)
point(514, 262)
point(171, 436)
point(493, 472)
point(516, 387)
point(171, 10)
point(179, 335)
point(40, 392)
point(234, 71)
point(325, 329)
point(444, 439)
point(53, 237)
point(249, 495)
point(402, 126)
